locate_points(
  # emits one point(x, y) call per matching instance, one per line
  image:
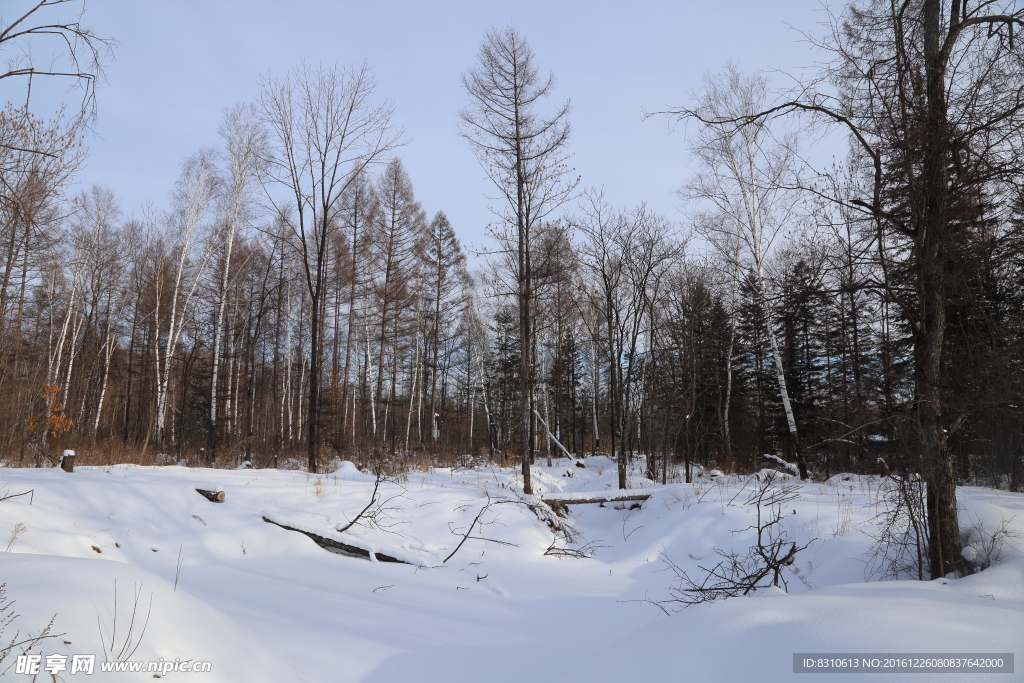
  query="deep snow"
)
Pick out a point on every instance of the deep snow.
point(263, 603)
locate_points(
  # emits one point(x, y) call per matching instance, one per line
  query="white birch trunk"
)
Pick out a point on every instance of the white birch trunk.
point(195, 192)
point(412, 391)
point(244, 141)
point(108, 349)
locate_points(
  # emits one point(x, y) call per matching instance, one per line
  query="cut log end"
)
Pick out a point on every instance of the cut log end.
point(212, 496)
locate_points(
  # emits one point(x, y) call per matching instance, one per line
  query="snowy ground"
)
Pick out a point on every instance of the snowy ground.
point(263, 603)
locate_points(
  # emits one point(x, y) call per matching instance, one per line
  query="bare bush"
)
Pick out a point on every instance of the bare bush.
point(900, 538)
point(983, 548)
point(583, 552)
point(742, 574)
point(24, 645)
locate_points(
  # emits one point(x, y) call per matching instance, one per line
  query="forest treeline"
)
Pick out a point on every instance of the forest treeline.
point(294, 292)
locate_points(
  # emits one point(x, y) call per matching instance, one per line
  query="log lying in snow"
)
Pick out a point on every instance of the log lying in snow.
point(580, 497)
point(212, 496)
point(333, 545)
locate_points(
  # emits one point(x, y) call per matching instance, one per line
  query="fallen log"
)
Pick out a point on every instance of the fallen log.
point(212, 496)
point(337, 546)
point(584, 497)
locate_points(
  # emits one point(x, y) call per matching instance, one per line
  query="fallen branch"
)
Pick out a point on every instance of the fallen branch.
point(493, 540)
point(557, 442)
point(583, 552)
point(23, 493)
point(331, 544)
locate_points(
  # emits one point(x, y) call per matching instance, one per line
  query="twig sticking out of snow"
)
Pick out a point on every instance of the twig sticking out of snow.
point(7, 617)
point(130, 644)
point(470, 529)
point(18, 530)
point(177, 570)
point(373, 499)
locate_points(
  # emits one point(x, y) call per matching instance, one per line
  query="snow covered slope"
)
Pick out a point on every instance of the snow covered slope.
point(263, 603)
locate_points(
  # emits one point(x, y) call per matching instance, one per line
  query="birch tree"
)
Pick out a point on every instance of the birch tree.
point(243, 151)
point(743, 177)
point(106, 249)
point(189, 248)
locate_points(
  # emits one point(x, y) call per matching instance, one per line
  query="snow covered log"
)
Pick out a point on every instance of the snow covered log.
point(790, 467)
point(212, 496)
point(332, 544)
point(581, 497)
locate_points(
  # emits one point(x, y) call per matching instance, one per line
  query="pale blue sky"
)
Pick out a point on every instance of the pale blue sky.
point(180, 63)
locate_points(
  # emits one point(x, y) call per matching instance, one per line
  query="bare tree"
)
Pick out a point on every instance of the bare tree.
point(79, 56)
point(931, 95)
point(744, 174)
point(37, 160)
point(626, 254)
point(190, 248)
point(359, 207)
point(397, 232)
point(106, 248)
point(244, 149)
point(524, 154)
point(325, 130)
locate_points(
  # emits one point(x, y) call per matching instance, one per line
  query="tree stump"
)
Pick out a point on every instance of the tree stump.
point(67, 461)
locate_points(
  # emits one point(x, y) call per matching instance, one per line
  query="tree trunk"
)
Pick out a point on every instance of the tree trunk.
point(943, 527)
point(780, 373)
point(315, 352)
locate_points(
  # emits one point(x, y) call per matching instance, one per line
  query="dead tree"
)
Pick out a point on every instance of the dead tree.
point(524, 155)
